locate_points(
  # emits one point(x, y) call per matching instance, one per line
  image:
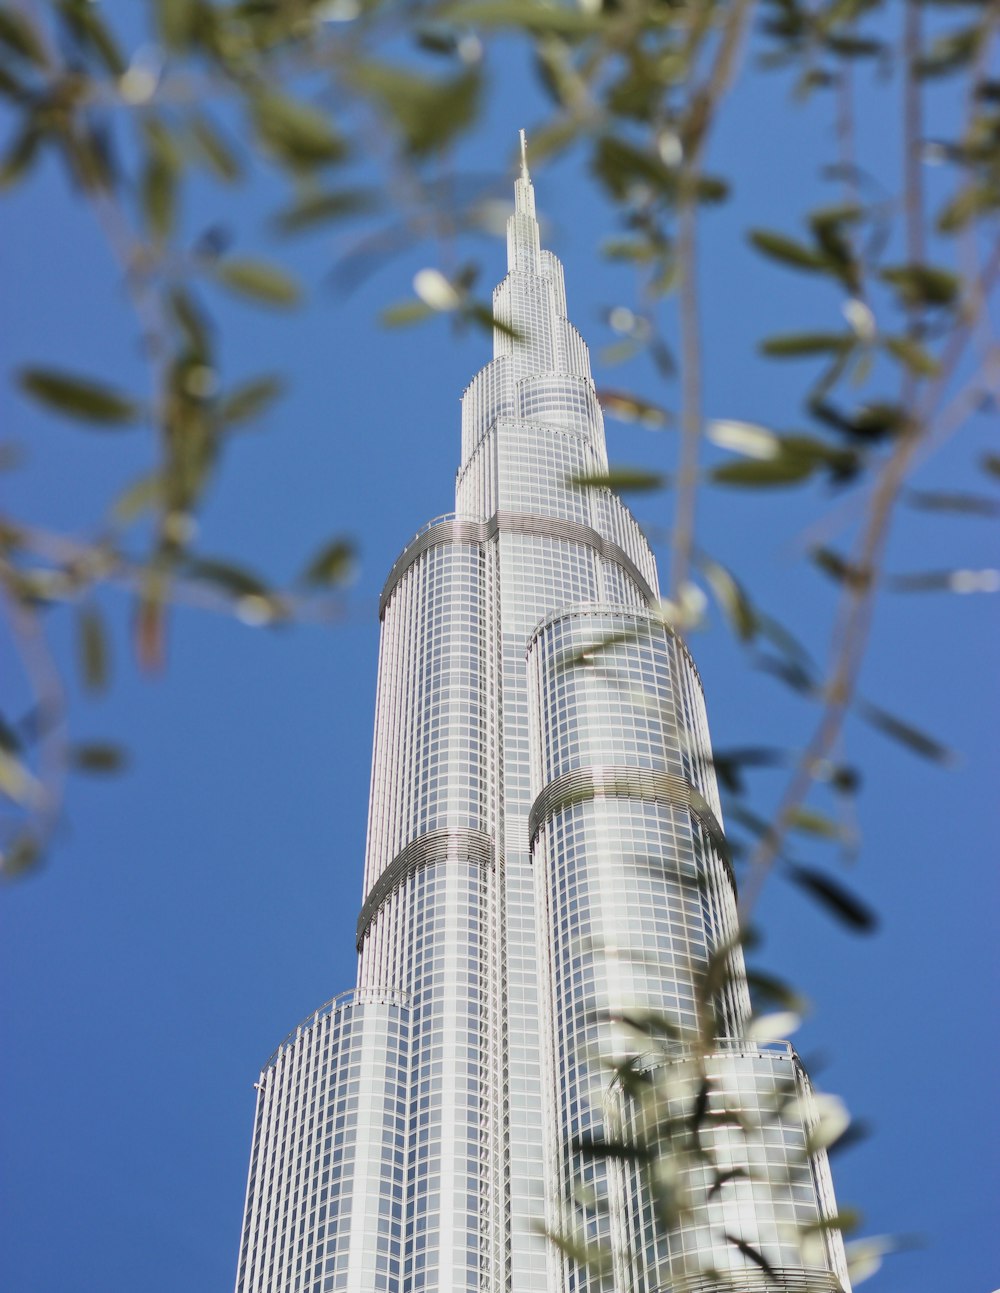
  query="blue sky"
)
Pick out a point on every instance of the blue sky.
point(194, 909)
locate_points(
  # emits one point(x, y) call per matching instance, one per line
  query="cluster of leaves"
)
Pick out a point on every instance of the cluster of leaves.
point(887, 373)
point(226, 91)
point(681, 1131)
point(674, 1126)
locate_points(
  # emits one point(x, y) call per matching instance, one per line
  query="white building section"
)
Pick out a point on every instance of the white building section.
point(545, 861)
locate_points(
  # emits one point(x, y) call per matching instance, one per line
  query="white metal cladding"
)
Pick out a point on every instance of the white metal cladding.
point(752, 1175)
point(545, 852)
point(325, 1195)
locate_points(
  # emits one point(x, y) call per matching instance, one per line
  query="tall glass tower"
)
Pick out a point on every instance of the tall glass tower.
point(546, 893)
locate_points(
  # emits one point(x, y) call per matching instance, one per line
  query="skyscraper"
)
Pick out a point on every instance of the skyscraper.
point(549, 920)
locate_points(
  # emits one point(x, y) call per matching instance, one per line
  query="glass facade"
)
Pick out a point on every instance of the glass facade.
point(545, 864)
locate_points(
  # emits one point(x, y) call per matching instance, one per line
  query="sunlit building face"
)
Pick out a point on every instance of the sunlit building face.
point(546, 874)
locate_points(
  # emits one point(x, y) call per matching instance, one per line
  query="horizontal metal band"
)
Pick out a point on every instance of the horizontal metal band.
point(619, 782)
point(435, 846)
point(342, 1001)
point(653, 621)
point(476, 532)
point(779, 1279)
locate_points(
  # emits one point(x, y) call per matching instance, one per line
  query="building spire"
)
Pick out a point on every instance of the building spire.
point(524, 195)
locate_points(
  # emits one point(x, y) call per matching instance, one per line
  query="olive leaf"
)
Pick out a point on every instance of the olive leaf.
point(79, 397)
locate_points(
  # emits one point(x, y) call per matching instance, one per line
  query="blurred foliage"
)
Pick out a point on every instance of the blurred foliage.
point(318, 92)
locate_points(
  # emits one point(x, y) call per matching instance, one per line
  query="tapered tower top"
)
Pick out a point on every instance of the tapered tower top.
point(524, 194)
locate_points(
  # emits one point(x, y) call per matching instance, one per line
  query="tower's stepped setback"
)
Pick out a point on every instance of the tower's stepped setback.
point(545, 854)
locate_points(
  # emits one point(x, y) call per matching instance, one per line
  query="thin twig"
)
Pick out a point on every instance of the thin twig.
point(705, 102)
point(856, 609)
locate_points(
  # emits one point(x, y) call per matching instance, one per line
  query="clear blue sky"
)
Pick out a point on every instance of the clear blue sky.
point(196, 908)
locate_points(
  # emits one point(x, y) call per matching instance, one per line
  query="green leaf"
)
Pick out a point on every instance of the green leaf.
point(404, 313)
point(790, 672)
point(621, 166)
point(846, 1220)
point(610, 1149)
point(438, 39)
point(630, 478)
point(855, 46)
point(923, 285)
point(428, 113)
point(10, 87)
point(833, 217)
point(229, 578)
point(788, 252)
point(755, 473)
point(732, 598)
point(788, 345)
point(9, 739)
point(524, 15)
point(753, 1254)
point(729, 764)
point(302, 136)
point(97, 756)
point(21, 154)
point(177, 21)
point(879, 421)
point(481, 314)
point(949, 52)
point(159, 195)
point(91, 30)
point(92, 646)
point(78, 397)
point(595, 1257)
point(912, 355)
point(619, 352)
point(631, 249)
point(624, 169)
point(259, 280)
point(18, 33)
point(16, 782)
point(333, 564)
point(969, 202)
point(844, 779)
point(813, 823)
point(766, 988)
point(835, 897)
point(318, 208)
point(587, 656)
point(143, 495)
point(712, 188)
point(727, 1177)
point(631, 408)
point(20, 856)
point(250, 400)
point(555, 138)
point(785, 642)
point(757, 826)
point(214, 149)
point(905, 733)
point(834, 565)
